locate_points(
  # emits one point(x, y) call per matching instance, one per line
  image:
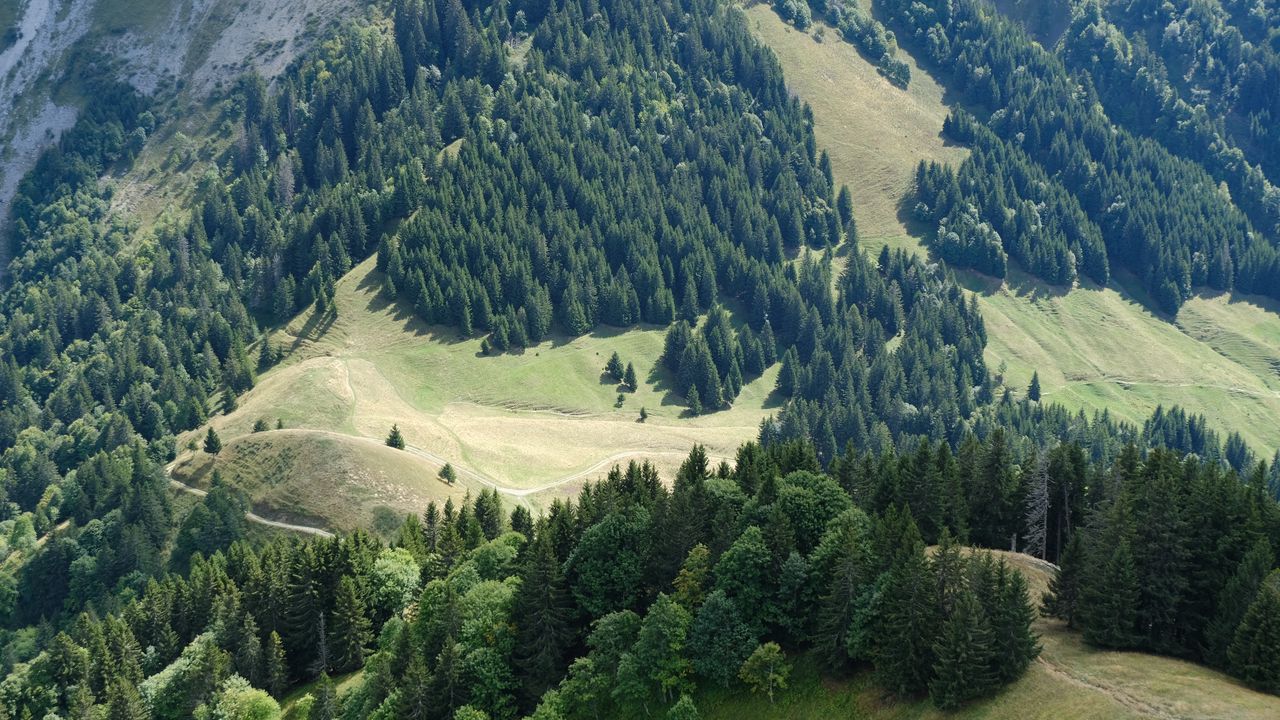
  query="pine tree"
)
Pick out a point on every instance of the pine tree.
point(1235, 599)
point(350, 630)
point(1109, 600)
point(395, 439)
point(543, 614)
point(629, 378)
point(907, 625)
point(275, 672)
point(1254, 654)
point(326, 705)
point(212, 443)
point(613, 368)
point(1062, 598)
point(448, 474)
point(1033, 390)
point(965, 653)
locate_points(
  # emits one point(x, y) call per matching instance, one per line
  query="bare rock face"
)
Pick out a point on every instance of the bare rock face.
point(184, 46)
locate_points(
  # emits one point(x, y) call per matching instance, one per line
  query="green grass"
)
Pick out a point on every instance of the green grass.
point(1095, 348)
point(525, 420)
point(114, 17)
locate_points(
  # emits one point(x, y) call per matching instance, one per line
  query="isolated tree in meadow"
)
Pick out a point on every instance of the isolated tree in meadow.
point(1033, 390)
point(259, 425)
point(448, 474)
point(613, 368)
point(644, 414)
point(766, 670)
point(395, 439)
point(629, 378)
point(212, 443)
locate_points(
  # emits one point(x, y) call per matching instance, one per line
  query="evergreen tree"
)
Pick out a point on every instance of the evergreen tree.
point(350, 629)
point(448, 474)
point(1033, 390)
point(907, 625)
point(684, 709)
point(965, 654)
point(613, 368)
point(1235, 599)
point(395, 439)
point(1109, 600)
point(212, 443)
point(543, 613)
point(629, 378)
point(275, 671)
point(1254, 654)
point(1061, 600)
point(325, 706)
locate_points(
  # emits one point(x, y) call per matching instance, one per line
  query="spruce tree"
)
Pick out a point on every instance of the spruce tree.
point(906, 625)
point(629, 378)
point(1109, 600)
point(275, 672)
point(965, 654)
point(212, 443)
point(326, 705)
point(395, 439)
point(350, 631)
point(1016, 644)
point(1235, 599)
point(613, 368)
point(543, 616)
point(1063, 596)
point(1254, 655)
point(1033, 390)
point(719, 641)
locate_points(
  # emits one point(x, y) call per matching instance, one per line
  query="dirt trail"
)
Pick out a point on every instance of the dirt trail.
point(250, 516)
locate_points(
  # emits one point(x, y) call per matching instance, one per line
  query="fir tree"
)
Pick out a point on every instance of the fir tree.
point(613, 368)
point(350, 630)
point(1235, 599)
point(629, 378)
point(212, 443)
point(1109, 600)
point(907, 624)
point(543, 613)
point(1063, 596)
point(395, 439)
point(275, 672)
point(1033, 390)
point(965, 653)
point(1254, 654)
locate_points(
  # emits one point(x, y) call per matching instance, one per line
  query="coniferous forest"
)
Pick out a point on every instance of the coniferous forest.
point(548, 168)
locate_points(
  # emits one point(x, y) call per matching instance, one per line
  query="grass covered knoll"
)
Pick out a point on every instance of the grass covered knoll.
point(535, 424)
point(314, 477)
point(1095, 347)
point(1070, 681)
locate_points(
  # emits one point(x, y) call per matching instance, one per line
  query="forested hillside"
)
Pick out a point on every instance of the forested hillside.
point(1094, 177)
point(546, 170)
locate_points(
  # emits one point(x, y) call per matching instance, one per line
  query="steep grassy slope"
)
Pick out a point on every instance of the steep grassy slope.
point(1070, 681)
point(534, 424)
point(1094, 347)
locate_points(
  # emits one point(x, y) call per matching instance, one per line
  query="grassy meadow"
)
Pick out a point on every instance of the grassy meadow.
point(535, 423)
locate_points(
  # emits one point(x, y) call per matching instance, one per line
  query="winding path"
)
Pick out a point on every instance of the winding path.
point(250, 516)
point(474, 476)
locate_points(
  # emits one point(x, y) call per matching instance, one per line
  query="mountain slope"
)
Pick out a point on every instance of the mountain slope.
point(1095, 348)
